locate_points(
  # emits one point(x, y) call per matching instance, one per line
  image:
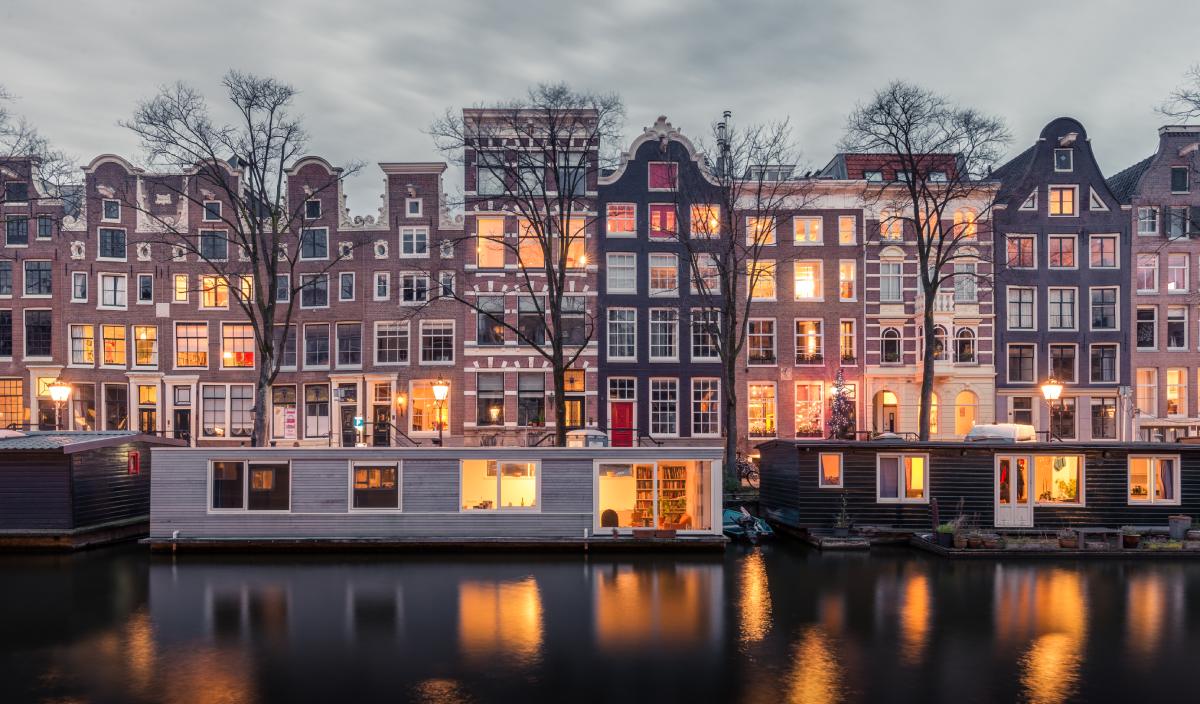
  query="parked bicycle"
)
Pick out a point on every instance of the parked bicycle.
point(747, 471)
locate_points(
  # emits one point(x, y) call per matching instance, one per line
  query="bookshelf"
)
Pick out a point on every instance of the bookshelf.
point(643, 510)
point(672, 494)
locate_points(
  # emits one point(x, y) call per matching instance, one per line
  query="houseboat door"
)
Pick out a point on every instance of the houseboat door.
point(621, 423)
point(1014, 505)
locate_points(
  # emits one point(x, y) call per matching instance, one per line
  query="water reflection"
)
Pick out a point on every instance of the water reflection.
point(817, 676)
point(809, 628)
point(500, 619)
point(754, 599)
point(1048, 609)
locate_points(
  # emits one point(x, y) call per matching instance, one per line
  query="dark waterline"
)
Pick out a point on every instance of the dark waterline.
point(777, 624)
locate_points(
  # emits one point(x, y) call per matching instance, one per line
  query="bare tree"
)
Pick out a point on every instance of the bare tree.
point(42, 173)
point(536, 158)
point(735, 203)
point(942, 154)
point(245, 165)
point(1183, 103)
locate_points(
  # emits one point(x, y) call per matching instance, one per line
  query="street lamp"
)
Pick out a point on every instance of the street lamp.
point(1052, 390)
point(59, 392)
point(441, 389)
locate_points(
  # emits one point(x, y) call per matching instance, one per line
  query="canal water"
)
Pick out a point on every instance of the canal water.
point(779, 623)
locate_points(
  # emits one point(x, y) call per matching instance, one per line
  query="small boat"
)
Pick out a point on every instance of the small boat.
point(738, 524)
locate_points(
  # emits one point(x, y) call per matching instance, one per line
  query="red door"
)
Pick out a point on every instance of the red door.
point(621, 423)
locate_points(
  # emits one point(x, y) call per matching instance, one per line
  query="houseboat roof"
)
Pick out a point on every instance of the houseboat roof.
point(900, 444)
point(71, 441)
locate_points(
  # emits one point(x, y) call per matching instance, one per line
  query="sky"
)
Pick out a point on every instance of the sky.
point(373, 75)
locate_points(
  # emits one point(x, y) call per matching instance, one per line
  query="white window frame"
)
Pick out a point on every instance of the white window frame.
point(1020, 237)
point(205, 212)
point(900, 498)
point(1074, 250)
point(1151, 479)
point(1187, 274)
point(651, 406)
point(300, 244)
point(1008, 301)
point(1101, 237)
point(385, 278)
point(853, 279)
point(375, 347)
point(138, 296)
point(608, 332)
point(1147, 211)
point(103, 207)
point(627, 234)
point(87, 286)
point(1074, 309)
point(820, 280)
point(800, 227)
point(653, 292)
point(1070, 153)
point(841, 471)
point(453, 343)
point(353, 286)
point(536, 508)
point(245, 472)
point(853, 229)
point(1008, 363)
point(621, 268)
point(1116, 309)
point(354, 464)
point(1116, 363)
point(100, 305)
point(412, 231)
point(408, 207)
point(695, 402)
point(651, 323)
point(1136, 271)
point(1074, 200)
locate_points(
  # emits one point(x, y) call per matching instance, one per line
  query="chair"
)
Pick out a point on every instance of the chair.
point(608, 518)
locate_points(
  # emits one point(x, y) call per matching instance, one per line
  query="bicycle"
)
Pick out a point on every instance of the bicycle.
point(747, 471)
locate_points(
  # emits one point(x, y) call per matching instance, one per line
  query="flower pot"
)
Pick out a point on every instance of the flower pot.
point(975, 542)
point(1130, 542)
point(992, 542)
point(1193, 535)
point(643, 533)
point(1178, 526)
point(945, 540)
point(670, 533)
point(1071, 543)
point(960, 541)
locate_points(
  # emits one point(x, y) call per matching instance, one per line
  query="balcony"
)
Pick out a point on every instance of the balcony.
point(944, 302)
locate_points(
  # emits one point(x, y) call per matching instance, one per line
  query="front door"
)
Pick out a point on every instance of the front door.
point(621, 423)
point(1014, 476)
point(183, 424)
point(381, 428)
point(349, 433)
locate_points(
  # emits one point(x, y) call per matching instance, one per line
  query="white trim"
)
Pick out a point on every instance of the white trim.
point(841, 471)
point(900, 487)
point(536, 508)
point(1151, 477)
point(208, 508)
point(354, 464)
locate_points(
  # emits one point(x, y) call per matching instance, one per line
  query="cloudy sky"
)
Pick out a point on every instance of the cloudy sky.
point(374, 74)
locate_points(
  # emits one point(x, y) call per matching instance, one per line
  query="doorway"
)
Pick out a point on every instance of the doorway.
point(621, 423)
point(1014, 506)
point(183, 424)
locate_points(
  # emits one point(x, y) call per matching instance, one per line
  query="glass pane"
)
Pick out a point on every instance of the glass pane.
point(914, 477)
point(518, 485)
point(1005, 481)
point(478, 485)
point(888, 485)
point(617, 495)
point(831, 470)
point(1022, 480)
point(1164, 488)
point(1139, 479)
point(227, 484)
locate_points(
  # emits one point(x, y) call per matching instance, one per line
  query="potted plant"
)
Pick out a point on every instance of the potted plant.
point(1130, 537)
point(841, 521)
point(960, 539)
point(974, 541)
point(991, 541)
point(945, 535)
point(1068, 539)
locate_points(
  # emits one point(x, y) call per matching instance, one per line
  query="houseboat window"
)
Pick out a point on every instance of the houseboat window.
point(1153, 480)
point(831, 470)
point(376, 486)
point(1058, 479)
point(636, 496)
point(269, 487)
point(902, 479)
point(227, 478)
point(490, 484)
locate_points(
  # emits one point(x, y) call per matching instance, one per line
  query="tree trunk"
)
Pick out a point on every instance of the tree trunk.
point(262, 389)
point(730, 422)
point(560, 397)
point(927, 363)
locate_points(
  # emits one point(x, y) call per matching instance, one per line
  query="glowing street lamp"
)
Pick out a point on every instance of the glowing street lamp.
point(59, 392)
point(1052, 390)
point(441, 389)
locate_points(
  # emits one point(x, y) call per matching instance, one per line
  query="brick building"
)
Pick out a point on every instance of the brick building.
point(892, 318)
point(1159, 199)
point(1062, 254)
point(148, 337)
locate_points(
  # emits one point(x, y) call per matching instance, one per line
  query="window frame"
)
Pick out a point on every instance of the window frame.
point(1151, 479)
point(821, 484)
point(900, 498)
point(1052, 189)
point(1074, 239)
point(354, 464)
point(1104, 237)
point(536, 508)
point(245, 508)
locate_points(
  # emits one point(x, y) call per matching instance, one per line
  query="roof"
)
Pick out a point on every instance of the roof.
point(1124, 183)
point(1011, 173)
point(1040, 446)
point(70, 441)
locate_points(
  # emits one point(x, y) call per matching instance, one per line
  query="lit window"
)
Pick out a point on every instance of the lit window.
point(1062, 200)
point(891, 226)
point(807, 230)
point(1154, 479)
point(191, 345)
point(808, 281)
point(662, 175)
point(214, 292)
point(1058, 479)
point(830, 476)
point(237, 345)
point(664, 275)
point(761, 275)
point(489, 485)
point(809, 342)
point(181, 288)
point(965, 225)
point(760, 409)
point(145, 345)
point(489, 248)
point(847, 229)
point(810, 409)
point(114, 345)
point(662, 220)
point(1102, 252)
point(760, 230)
point(902, 478)
point(706, 221)
point(621, 220)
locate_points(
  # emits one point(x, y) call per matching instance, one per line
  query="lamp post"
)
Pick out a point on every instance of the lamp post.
point(441, 389)
point(1052, 390)
point(59, 392)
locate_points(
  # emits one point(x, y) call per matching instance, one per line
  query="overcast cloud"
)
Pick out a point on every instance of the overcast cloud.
point(373, 75)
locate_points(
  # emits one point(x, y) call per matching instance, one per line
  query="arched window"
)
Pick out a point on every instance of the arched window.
point(964, 412)
point(964, 346)
point(965, 226)
point(939, 342)
point(890, 346)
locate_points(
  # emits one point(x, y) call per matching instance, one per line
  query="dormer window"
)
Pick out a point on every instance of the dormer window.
point(1180, 182)
point(312, 209)
point(1064, 160)
point(111, 210)
point(937, 176)
point(873, 176)
point(212, 210)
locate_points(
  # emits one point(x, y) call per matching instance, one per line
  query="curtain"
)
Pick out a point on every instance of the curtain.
point(888, 488)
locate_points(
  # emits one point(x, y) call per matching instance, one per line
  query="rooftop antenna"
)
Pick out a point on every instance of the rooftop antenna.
point(723, 143)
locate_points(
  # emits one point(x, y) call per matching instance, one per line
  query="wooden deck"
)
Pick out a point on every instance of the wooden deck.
point(711, 543)
point(76, 538)
point(1190, 551)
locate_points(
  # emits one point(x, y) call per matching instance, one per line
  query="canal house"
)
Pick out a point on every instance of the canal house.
point(460, 497)
point(73, 489)
point(1006, 485)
